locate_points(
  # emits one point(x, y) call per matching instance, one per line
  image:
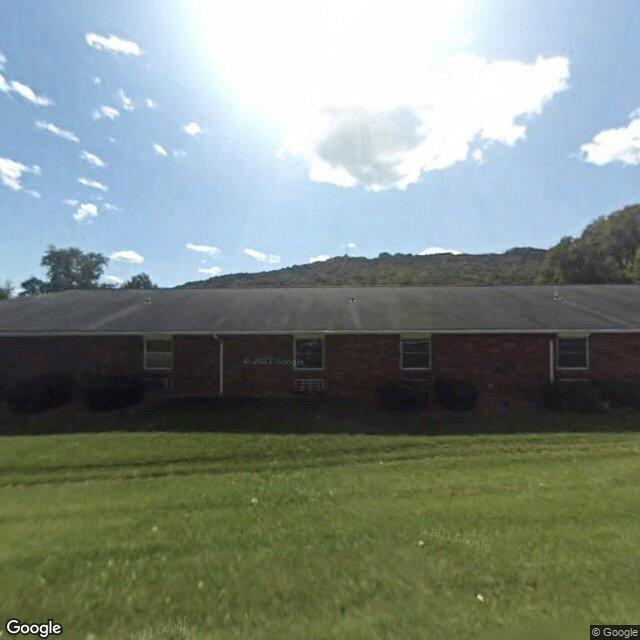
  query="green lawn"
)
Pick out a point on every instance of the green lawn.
point(234, 535)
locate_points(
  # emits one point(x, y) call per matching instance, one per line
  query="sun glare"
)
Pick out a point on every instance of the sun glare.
point(292, 58)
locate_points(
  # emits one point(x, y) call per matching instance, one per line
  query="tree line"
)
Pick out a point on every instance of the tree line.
point(72, 269)
point(607, 251)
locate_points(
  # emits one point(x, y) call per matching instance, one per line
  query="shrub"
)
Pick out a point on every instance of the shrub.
point(403, 396)
point(622, 393)
point(459, 395)
point(105, 393)
point(584, 396)
point(39, 393)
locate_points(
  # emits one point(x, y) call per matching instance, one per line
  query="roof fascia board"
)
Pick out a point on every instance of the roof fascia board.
point(17, 334)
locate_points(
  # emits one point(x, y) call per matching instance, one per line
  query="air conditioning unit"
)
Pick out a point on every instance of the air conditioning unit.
point(157, 384)
point(309, 385)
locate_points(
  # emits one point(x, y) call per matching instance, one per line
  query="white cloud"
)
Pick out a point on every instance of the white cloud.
point(203, 248)
point(29, 94)
point(114, 280)
point(127, 102)
point(431, 127)
point(3, 61)
point(392, 147)
point(97, 80)
point(94, 184)
point(321, 258)
point(127, 256)
point(615, 145)
point(152, 104)
point(179, 153)
point(35, 194)
point(113, 44)
point(111, 207)
point(71, 202)
point(212, 271)
point(92, 158)
point(193, 128)
point(85, 210)
point(429, 251)
point(106, 112)
point(159, 149)
point(352, 245)
point(379, 94)
point(11, 173)
point(25, 91)
point(262, 257)
point(57, 131)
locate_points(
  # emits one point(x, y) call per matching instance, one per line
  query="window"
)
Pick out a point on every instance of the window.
point(415, 353)
point(309, 353)
point(158, 353)
point(573, 353)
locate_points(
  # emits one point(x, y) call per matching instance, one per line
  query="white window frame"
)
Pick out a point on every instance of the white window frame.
point(573, 336)
point(315, 336)
point(415, 338)
point(165, 337)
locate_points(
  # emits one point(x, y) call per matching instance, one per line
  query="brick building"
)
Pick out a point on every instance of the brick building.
point(346, 341)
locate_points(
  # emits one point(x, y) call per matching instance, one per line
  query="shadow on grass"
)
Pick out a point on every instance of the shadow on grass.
point(304, 416)
point(43, 474)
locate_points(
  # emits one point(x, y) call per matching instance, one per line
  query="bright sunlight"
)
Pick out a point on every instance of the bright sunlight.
point(289, 57)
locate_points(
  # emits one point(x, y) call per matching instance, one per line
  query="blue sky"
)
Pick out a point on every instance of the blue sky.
point(185, 140)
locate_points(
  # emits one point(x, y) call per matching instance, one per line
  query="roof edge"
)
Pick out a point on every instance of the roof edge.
point(38, 334)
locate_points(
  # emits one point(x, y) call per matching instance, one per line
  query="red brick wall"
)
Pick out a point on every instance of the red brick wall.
point(358, 364)
point(195, 365)
point(74, 354)
point(504, 367)
point(614, 355)
point(354, 365)
point(195, 369)
point(261, 366)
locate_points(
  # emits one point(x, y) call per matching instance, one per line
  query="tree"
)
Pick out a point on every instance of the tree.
point(32, 286)
point(67, 269)
point(72, 269)
point(139, 281)
point(606, 252)
point(7, 290)
point(633, 268)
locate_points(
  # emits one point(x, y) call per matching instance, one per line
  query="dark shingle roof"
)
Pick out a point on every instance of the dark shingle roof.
point(350, 309)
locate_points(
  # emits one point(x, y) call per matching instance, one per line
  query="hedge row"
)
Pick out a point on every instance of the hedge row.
point(588, 396)
point(401, 396)
point(591, 396)
point(49, 390)
point(39, 393)
point(104, 393)
point(408, 395)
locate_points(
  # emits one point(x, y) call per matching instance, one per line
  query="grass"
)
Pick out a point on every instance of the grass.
point(182, 535)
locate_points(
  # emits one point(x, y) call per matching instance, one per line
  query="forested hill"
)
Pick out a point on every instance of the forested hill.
point(608, 251)
point(516, 266)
